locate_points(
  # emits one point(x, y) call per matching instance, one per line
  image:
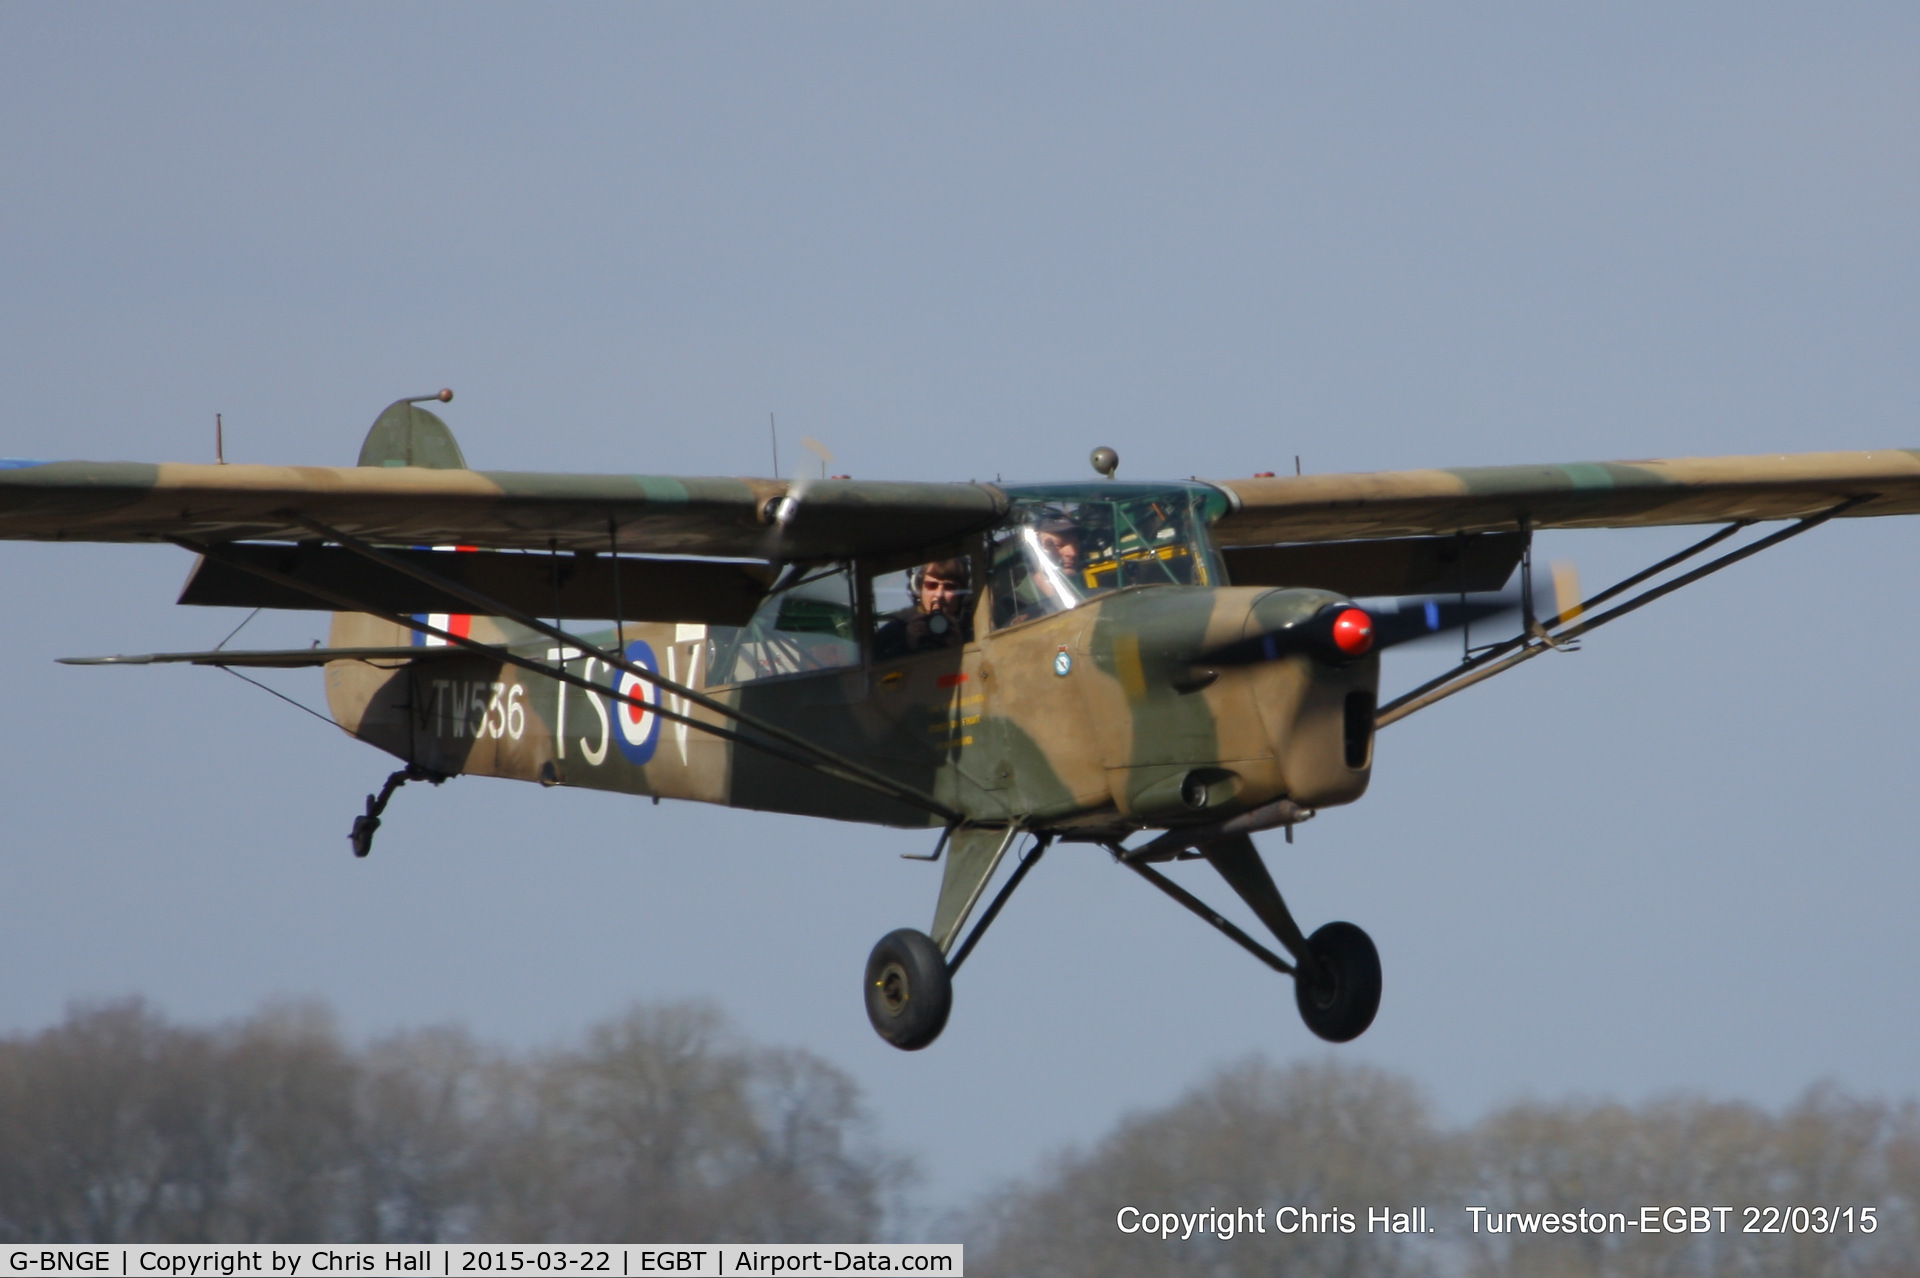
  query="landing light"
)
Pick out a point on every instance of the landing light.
point(1353, 632)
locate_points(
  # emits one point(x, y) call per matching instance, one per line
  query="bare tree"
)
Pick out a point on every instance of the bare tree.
point(1608, 1160)
point(1326, 1136)
point(115, 1126)
point(416, 1111)
point(79, 1158)
point(661, 1125)
point(1826, 1153)
point(809, 1174)
point(1834, 1150)
point(1311, 1146)
point(292, 1085)
point(662, 1128)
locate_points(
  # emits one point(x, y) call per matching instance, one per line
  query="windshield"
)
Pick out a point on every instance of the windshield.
point(1062, 545)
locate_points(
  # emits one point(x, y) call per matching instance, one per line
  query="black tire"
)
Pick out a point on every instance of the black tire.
point(908, 990)
point(1339, 999)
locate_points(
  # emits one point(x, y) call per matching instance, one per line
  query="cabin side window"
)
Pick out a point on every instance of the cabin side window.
point(926, 608)
point(807, 626)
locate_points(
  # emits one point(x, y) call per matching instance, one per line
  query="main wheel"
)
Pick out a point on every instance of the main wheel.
point(908, 991)
point(1339, 998)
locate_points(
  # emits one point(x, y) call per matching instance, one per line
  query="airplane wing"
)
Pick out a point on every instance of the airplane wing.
point(732, 518)
point(1632, 494)
point(496, 510)
point(270, 658)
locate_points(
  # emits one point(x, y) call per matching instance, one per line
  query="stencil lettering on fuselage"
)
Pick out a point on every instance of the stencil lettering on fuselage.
point(477, 708)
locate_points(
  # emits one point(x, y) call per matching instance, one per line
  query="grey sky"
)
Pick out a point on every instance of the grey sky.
point(955, 242)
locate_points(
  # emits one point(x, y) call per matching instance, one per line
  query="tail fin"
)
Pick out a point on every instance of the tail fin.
point(408, 435)
point(404, 435)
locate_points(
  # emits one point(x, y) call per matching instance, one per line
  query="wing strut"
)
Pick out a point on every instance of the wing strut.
point(1576, 621)
point(786, 746)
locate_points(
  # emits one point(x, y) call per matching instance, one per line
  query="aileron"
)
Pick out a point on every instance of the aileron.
point(497, 510)
point(1579, 495)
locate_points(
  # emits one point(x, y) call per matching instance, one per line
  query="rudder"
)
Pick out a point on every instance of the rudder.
point(405, 434)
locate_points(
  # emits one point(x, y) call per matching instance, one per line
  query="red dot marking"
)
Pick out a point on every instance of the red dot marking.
point(631, 687)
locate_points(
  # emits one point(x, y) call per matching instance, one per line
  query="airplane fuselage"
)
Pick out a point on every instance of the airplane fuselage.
point(1094, 719)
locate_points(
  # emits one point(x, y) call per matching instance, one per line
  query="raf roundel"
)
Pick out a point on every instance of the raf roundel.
point(636, 729)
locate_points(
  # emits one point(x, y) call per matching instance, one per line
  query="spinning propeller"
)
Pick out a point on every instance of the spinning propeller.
point(781, 512)
point(1345, 631)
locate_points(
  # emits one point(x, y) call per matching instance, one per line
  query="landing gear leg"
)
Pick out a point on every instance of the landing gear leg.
point(910, 974)
point(1336, 978)
point(364, 826)
point(1336, 971)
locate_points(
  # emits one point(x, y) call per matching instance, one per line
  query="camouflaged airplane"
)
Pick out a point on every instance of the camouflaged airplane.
point(1177, 664)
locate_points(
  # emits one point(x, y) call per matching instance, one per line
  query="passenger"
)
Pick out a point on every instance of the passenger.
point(935, 620)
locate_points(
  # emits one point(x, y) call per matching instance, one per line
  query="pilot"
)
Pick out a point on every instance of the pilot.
point(934, 621)
point(1061, 538)
point(1036, 593)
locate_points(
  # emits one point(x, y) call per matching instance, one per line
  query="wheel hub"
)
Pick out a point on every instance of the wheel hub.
point(1323, 984)
point(894, 990)
point(909, 992)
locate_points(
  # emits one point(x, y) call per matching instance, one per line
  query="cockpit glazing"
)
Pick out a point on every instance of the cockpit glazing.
point(1062, 545)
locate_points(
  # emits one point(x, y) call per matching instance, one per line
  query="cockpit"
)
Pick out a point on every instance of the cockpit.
point(1062, 545)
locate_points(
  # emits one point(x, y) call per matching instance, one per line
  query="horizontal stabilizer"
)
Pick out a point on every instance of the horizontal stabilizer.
point(571, 587)
point(269, 658)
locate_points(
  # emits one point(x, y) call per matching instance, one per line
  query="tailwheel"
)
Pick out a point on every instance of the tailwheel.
point(365, 826)
point(1340, 994)
point(909, 992)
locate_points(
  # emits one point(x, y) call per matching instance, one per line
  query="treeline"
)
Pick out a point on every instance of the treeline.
point(660, 1125)
point(116, 1126)
point(1331, 1138)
